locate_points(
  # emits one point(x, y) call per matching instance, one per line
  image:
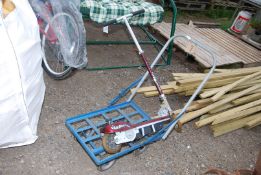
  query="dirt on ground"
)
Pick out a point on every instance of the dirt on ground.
point(57, 152)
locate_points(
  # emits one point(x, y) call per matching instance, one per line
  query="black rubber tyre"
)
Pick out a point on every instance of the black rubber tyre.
point(53, 61)
point(66, 73)
point(106, 166)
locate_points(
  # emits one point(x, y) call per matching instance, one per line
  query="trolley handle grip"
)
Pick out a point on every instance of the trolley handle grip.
point(138, 12)
point(113, 21)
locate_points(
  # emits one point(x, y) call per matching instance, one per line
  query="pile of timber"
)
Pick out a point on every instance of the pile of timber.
point(230, 100)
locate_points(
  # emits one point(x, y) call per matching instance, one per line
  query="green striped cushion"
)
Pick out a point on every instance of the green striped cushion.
point(102, 11)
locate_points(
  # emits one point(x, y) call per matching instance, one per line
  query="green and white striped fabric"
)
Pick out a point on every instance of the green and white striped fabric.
point(102, 11)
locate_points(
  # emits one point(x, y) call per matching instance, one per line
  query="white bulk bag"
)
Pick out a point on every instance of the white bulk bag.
point(21, 77)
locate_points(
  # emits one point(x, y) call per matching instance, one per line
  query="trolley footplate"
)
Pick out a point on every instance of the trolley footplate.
point(86, 129)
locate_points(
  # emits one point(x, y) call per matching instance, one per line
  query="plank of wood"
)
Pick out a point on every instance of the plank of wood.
point(220, 52)
point(238, 115)
point(185, 75)
point(203, 101)
point(227, 88)
point(219, 70)
point(234, 70)
point(152, 88)
point(204, 116)
point(240, 48)
point(247, 99)
point(218, 76)
point(202, 111)
point(192, 108)
point(200, 55)
point(236, 46)
point(226, 113)
point(230, 126)
point(212, 92)
point(209, 93)
point(221, 82)
point(155, 93)
point(246, 85)
point(253, 123)
point(226, 37)
point(204, 24)
point(222, 108)
point(243, 51)
point(226, 47)
point(172, 83)
point(209, 84)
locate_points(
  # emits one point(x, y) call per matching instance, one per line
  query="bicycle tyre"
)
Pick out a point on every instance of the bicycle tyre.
point(49, 64)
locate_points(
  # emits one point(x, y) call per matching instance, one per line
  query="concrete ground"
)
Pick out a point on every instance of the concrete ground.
point(186, 153)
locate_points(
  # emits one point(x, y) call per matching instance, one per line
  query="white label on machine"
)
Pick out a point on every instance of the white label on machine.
point(105, 29)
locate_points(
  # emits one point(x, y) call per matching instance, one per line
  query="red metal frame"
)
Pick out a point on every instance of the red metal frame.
point(124, 126)
point(144, 59)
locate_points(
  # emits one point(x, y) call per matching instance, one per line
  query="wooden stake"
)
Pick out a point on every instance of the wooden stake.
point(192, 108)
point(192, 115)
point(254, 123)
point(227, 88)
point(153, 88)
point(247, 99)
point(203, 101)
point(218, 76)
point(238, 115)
point(236, 70)
point(232, 125)
point(209, 93)
point(204, 116)
point(155, 93)
point(221, 108)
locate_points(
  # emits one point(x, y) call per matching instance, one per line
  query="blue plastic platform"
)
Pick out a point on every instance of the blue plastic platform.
point(86, 129)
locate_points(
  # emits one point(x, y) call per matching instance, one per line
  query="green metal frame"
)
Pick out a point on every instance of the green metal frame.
point(151, 41)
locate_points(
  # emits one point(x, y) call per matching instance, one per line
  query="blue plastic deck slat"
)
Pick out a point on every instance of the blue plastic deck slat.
point(89, 152)
point(93, 126)
point(121, 112)
point(91, 138)
point(120, 117)
point(125, 115)
point(137, 108)
point(83, 128)
point(92, 144)
point(90, 134)
point(94, 113)
point(105, 116)
point(101, 123)
point(98, 155)
point(130, 115)
point(98, 150)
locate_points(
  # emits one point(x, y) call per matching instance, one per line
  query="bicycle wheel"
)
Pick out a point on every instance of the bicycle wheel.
point(54, 56)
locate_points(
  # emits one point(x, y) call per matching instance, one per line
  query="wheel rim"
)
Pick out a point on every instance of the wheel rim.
point(53, 57)
point(109, 144)
point(106, 166)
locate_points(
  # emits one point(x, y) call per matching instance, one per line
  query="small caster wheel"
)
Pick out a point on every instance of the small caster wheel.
point(178, 127)
point(109, 144)
point(140, 150)
point(106, 166)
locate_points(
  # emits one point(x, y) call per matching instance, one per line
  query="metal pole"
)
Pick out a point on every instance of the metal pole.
point(153, 64)
point(173, 123)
